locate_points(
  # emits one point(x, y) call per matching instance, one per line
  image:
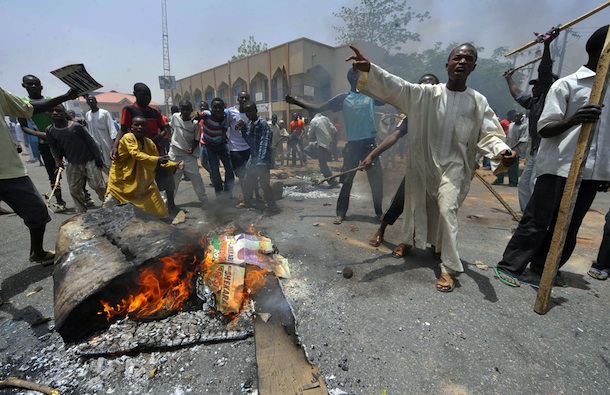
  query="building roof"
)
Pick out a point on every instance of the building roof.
point(116, 98)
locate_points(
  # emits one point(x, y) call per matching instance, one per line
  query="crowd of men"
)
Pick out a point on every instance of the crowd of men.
point(447, 126)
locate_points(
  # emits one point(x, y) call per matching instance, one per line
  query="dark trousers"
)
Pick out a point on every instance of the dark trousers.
point(532, 239)
point(324, 156)
point(258, 175)
point(603, 256)
point(216, 154)
point(513, 174)
point(353, 153)
point(397, 206)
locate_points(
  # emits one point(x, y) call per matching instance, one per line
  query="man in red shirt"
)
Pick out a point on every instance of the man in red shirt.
point(297, 125)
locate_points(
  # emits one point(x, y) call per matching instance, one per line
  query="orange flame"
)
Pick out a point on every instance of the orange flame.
point(164, 286)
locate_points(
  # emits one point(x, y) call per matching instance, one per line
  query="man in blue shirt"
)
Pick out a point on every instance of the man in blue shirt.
point(361, 132)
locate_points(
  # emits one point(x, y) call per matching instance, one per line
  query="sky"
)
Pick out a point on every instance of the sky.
point(120, 41)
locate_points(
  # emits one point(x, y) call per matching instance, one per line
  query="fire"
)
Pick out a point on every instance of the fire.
point(160, 287)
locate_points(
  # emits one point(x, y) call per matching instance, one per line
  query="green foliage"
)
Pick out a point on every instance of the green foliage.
point(381, 22)
point(248, 48)
point(486, 78)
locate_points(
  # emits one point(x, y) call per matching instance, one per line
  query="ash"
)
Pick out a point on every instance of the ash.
point(302, 192)
point(206, 368)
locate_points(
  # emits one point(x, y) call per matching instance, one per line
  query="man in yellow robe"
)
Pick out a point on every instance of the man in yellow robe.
point(132, 174)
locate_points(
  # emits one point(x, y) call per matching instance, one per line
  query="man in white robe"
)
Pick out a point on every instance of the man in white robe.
point(448, 124)
point(101, 128)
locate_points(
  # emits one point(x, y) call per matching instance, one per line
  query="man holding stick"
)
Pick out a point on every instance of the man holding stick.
point(566, 109)
point(534, 103)
point(448, 124)
point(361, 132)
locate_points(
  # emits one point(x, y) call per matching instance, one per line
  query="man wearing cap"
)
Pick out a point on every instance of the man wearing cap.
point(533, 102)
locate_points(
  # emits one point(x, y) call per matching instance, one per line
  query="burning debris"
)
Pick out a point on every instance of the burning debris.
point(117, 272)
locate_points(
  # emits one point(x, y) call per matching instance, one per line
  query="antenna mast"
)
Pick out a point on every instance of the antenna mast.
point(167, 82)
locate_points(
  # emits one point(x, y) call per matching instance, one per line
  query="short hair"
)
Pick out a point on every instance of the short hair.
point(185, 102)
point(249, 103)
point(476, 53)
point(218, 100)
point(29, 76)
point(140, 86)
point(595, 43)
point(429, 75)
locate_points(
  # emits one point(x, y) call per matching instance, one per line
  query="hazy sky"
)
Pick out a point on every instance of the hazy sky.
point(120, 41)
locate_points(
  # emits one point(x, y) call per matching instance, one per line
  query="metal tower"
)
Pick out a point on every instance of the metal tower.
point(167, 82)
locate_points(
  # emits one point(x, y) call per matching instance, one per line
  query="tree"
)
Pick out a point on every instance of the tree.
point(380, 22)
point(486, 78)
point(248, 48)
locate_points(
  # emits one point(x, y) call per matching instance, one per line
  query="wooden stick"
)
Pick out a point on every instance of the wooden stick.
point(341, 174)
point(55, 186)
point(563, 27)
point(527, 64)
point(570, 192)
point(497, 195)
point(19, 383)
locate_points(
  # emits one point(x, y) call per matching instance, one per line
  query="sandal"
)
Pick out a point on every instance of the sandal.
point(506, 277)
point(376, 240)
point(446, 283)
point(47, 259)
point(338, 220)
point(401, 250)
point(600, 274)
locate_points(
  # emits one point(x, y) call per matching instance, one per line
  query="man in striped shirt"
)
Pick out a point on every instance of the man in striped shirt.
point(214, 143)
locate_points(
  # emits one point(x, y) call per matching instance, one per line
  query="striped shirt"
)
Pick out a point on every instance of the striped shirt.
point(213, 132)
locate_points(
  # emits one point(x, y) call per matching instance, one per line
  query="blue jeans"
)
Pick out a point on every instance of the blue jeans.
point(215, 155)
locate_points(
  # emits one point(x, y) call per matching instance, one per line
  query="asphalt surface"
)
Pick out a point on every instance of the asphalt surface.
point(386, 327)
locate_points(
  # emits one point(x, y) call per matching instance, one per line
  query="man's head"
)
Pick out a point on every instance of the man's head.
point(32, 84)
point(242, 97)
point(139, 126)
point(58, 113)
point(594, 46)
point(538, 88)
point(203, 106)
point(92, 102)
point(174, 109)
point(352, 78)
point(461, 62)
point(218, 108)
point(274, 119)
point(250, 110)
point(186, 108)
point(281, 124)
point(510, 115)
point(295, 116)
point(428, 79)
point(517, 118)
point(142, 94)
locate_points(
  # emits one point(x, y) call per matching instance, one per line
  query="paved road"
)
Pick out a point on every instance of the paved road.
point(387, 326)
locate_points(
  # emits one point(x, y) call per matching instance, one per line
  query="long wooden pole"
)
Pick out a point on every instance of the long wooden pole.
point(500, 198)
point(570, 192)
point(563, 27)
point(527, 64)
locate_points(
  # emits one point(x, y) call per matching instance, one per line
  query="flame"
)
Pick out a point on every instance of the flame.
point(164, 286)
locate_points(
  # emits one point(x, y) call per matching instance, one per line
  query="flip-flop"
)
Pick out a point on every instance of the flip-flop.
point(48, 259)
point(559, 281)
point(446, 283)
point(507, 278)
point(338, 220)
point(598, 274)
